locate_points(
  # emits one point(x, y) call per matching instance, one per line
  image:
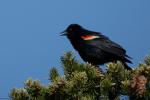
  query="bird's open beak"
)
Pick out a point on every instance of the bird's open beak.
point(63, 33)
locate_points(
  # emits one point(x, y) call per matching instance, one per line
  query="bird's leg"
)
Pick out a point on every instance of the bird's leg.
point(115, 61)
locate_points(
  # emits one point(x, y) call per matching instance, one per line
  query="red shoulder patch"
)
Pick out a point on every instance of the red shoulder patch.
point(89, 37)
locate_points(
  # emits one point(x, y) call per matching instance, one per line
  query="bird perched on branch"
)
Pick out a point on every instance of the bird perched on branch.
point(95, 48)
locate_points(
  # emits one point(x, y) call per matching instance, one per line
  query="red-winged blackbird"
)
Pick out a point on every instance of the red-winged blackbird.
point(95, 48)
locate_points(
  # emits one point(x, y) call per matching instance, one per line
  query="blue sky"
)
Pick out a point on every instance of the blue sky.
point(29, 33)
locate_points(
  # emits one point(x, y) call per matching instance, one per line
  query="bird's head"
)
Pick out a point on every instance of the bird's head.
point(72, 30)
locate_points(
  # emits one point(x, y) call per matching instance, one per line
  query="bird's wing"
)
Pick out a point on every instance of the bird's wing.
point(105, 44)
point(109, 46)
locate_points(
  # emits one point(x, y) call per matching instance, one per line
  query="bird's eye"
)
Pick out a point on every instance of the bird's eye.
point(70, 29)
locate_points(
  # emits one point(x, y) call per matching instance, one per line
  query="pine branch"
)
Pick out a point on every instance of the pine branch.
point(87, 82)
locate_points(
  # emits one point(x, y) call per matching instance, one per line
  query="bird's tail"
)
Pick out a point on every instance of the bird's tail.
point(127, 60)
point(126, 66)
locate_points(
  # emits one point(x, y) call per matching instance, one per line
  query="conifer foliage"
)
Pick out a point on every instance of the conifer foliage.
point(87, 82)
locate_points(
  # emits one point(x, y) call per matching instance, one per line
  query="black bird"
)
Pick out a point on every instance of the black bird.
point(95, 48)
